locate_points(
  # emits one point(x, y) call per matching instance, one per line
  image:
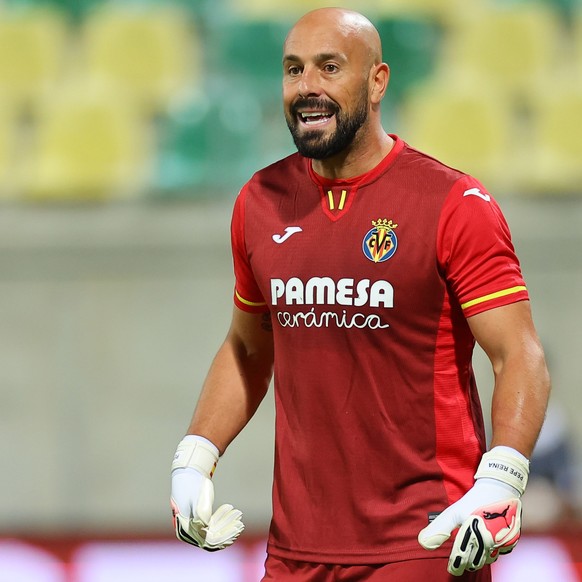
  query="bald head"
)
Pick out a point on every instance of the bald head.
point(333, 84)
point(342, 26)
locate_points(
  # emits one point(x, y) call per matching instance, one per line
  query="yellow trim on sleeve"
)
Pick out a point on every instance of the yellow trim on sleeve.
point(503, 293)
point(249, 303)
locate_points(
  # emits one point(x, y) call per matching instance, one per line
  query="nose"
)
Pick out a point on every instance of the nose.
point(308, 83)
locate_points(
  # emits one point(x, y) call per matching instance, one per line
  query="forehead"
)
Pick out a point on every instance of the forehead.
point(319, 36)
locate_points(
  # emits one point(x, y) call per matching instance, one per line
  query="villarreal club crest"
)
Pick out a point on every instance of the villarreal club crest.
point(380, 242)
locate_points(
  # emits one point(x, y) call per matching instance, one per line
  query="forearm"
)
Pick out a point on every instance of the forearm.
point(237, 381)
point(522, 384)
point(520, 398)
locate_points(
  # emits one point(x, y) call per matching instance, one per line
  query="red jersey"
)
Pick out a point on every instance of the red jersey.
point(369, 282)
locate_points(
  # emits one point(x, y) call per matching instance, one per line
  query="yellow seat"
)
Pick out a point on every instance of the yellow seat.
point(463, 128)
point(442, 10)
point(291, 9)
point(554, 164)
point(510, 45)
point(446, 12)
point(89, 144)
point(8, 139)
point(149, 53)
point(577, 43)
point(32, 53)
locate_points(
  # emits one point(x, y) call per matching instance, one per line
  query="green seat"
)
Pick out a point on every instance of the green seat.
point(250, 53)
point(75, 9)
point(207, 146)
point(410, 47)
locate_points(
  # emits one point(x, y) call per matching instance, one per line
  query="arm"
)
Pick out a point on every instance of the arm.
point(489, 514)
point(237, 381)
point(522, 384)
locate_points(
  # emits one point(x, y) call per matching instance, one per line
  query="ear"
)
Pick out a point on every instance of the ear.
point(379, 78)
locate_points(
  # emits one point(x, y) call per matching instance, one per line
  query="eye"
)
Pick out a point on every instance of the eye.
point(293, 70)
point(330, 68)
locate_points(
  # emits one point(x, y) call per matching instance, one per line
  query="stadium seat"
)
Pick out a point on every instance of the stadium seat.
point(88, 145)
point(292, 9)
point(511, 45)
point(32, 53)
point(208, 145)
point(411, 48)
point(261, 10)
point(149, 53)
point(467, 129)
point(577, 42)
point(554, 164)
point(75, 10)
point(249, 55)
point(7, 151)
point(445, 12)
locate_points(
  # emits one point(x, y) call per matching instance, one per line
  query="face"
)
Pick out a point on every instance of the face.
point(325, 89)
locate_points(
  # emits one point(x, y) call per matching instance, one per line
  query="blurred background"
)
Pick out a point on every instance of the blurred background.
point(126, 130)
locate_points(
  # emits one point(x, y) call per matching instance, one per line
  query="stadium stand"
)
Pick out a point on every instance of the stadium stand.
point(555, 162)
point(204, 77)
point(411, 46)
point(577, 42)
point(74, 10)
point(208, 145)
point(148, 53)
point(446, 13)
point(88, 144)
point(248, 53)
point(32, 56)
point(511, 45)
point(467, 129)
point(7, 158)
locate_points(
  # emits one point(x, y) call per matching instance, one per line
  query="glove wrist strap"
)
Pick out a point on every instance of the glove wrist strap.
point(506, 465)
point(197, 453)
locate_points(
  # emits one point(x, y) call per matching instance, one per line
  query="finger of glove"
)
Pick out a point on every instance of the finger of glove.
point(226, 530)
point(222, 539)
point(190, 531)
point(224, 515)
point(203, 508)
point(472, 547)
point(493, 556)
point(225, 525)
point(439, 530)
point(198, 534)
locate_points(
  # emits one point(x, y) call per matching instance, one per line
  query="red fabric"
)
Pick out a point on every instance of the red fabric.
point(378, 418)
point(433, 570)
point(475, 249)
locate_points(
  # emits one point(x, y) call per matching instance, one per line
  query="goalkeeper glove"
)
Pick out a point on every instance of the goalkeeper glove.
point(488, 515)
point(193, 495)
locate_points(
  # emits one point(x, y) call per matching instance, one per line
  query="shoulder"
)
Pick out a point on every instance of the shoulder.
point(278, 174)
point(459, 187)
point(429, 166)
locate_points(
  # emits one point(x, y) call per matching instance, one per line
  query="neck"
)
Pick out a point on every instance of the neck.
point(361, 157)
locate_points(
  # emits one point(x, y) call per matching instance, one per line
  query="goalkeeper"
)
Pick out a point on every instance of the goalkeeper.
point(365, 271)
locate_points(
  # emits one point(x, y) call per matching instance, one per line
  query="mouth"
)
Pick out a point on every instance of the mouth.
point(315, 118)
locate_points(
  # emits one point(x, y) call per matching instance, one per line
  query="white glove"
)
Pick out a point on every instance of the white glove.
point(193, 496)
point(488, 515)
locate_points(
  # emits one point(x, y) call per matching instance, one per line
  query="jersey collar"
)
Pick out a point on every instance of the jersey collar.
point(362, 179)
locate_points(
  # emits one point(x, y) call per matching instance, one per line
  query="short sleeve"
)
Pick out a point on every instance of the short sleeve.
point(475, 250)
point(247, 295)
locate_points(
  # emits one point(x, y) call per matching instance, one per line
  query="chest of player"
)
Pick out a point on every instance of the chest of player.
point(349, 250)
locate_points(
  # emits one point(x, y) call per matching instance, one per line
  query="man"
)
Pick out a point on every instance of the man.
point(365, 270)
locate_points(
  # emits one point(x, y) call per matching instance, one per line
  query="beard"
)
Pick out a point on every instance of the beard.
point(313, 143)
